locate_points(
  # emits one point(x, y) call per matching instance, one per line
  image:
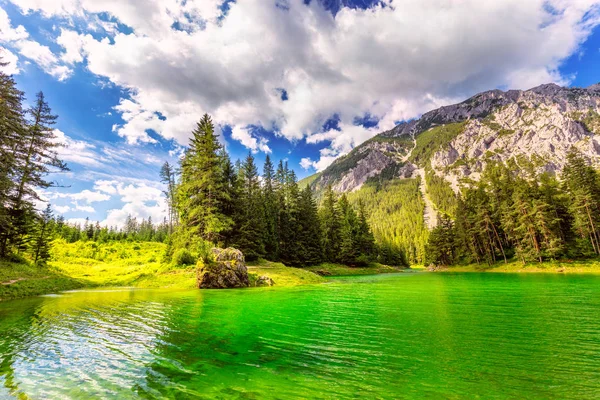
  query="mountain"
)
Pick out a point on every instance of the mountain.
point(416, 168)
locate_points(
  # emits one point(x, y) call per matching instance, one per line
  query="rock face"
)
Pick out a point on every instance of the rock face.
point(537, 126)
point(541, 123)
point(228, 270)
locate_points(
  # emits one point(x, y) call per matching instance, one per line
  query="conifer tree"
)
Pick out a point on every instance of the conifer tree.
point(581, 181)
point(309, 232)
point(441, 248)
point(167, 176)
point(252, 223)
point(201, 192)
point(43, 237)
point(330, 225)
point(271, 210)
point(12, 135)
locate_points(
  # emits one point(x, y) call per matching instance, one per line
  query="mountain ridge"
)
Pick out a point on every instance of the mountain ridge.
point(544, 121)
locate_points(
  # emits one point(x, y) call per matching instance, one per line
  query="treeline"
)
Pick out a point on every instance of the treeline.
point(514, 213)
point(215, 201)
point(27, 155)
point(133, 230)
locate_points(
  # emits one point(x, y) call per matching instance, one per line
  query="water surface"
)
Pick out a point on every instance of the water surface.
point(390, 336)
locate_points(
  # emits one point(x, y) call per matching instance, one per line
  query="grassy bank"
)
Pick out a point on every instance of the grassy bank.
point(132, 264)
point(560, 267)
point(327, 269)
point(22, 279)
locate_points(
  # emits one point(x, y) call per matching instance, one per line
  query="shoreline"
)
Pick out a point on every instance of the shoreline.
point(517, 267)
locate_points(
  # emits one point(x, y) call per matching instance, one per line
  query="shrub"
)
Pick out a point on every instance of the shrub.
point(183, 257)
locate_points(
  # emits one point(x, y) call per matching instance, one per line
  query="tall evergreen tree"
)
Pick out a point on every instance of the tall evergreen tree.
point(167, 176)
point(200, 194)
point(252, 224)
point(43, 236)
point(582, 183)
point(309, 232)
point(271, 210)
point(330, 225)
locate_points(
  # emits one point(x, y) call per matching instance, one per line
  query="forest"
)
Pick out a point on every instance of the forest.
point(514, 212)
point(211, 201)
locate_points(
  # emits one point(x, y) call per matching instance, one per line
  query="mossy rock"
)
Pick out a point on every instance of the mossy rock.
point(227, 269)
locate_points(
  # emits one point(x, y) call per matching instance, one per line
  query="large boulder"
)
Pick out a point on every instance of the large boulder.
point(226, 270)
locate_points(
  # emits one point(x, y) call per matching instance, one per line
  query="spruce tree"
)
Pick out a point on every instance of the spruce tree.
point(252, 223)
point(582, 184)
point(43, 237)
point(330, 225)
point(271, 210)
point(167, 176)
point(201, 192)
point(309, 232)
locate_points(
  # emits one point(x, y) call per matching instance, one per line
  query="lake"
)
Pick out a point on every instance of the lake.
point(410, 335)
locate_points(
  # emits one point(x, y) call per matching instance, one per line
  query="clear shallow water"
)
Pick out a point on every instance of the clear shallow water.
point(396, 336)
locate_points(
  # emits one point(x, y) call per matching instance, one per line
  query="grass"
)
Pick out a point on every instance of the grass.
point(327, 269)
point(565, 267)
point(282, 275)
point(22, 279)
point(430, 141)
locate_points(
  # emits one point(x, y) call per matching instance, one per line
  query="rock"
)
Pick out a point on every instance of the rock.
point(228, 270)
point(264, 280)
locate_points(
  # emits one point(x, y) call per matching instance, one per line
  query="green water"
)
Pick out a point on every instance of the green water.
point(398, 336)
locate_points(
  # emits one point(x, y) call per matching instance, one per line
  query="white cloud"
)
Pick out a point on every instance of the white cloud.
point(391, 61)
point(40, 54)
point(76, 151)
point(62, 209)
point(12, 67)
point(141, 201)
point(87, 209)
point(106, 186)
point(306, 163)
point(245, 137)
point(7, 32)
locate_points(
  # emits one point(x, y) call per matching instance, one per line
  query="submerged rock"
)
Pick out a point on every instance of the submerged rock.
point(228, 270)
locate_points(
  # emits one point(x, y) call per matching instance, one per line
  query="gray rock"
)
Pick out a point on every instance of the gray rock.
point(264, 280)
point(226, 270)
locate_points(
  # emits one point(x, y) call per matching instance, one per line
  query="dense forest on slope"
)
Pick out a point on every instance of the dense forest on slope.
point(215, 202)
point(516, 212)
point(450, 148)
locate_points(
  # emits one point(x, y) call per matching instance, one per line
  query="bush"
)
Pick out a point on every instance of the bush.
point(183, 257)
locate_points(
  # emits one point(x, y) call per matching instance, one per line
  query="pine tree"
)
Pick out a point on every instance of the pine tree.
point(271, 210)
point(309, 233)
point(252, 223)
point(441, 248)
point(12, 135)
point(582, 184)
point(290, 219)
point(201, 192)
point(230, 203)
point(167, 176)
point(43, 237)
point(330, 225)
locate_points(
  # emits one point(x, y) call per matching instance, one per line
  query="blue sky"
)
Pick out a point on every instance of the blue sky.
point(304, 81)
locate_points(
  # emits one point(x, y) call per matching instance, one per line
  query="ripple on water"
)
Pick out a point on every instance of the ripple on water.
point(418, 335)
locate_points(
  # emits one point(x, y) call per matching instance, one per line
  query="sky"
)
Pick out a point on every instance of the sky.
point(301, 80)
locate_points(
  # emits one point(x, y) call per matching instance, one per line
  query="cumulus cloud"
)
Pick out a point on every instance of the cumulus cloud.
point(393, 61)
point(18, 38)
point(245, 137)
point(141, 201)
point(11, 60)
